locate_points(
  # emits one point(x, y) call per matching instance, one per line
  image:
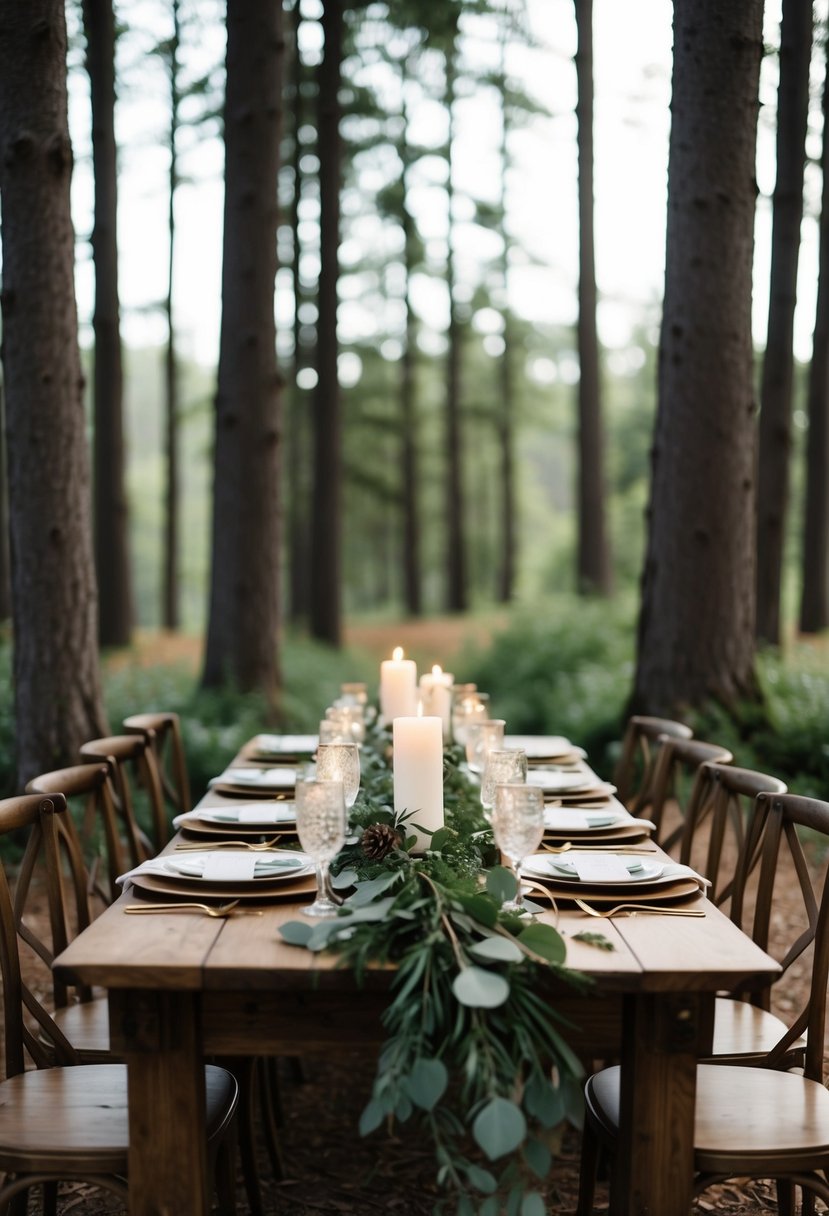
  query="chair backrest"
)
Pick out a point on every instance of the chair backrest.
point(721, 825)
point(782, 815)
point(25, 1019)
point(634, 768)
point(137, 785)
point(163, 731)
point(675, 767)
point(93, 819)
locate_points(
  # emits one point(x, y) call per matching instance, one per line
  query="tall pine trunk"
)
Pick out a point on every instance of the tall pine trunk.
point(408, 391)
point(5, 554)
point(111, 512)
point(326, 588)
point(242, 643)
point(696, 627)
point(169, 580)
point(505, 425)
point(814, 602)
point(778, 363)
point(593, 571)
point(57, 691)
point(456, 557)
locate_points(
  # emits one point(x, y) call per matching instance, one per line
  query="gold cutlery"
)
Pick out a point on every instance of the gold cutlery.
point(217, 910)
point(557, 848)
point(253, 846)
point(633, 909)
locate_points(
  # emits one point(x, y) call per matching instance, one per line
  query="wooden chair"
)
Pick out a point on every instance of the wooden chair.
point(163, 732)
point(136, 781)
point(675, 768)
point(70, 1122)
point(752, 1122)
point(633, 772)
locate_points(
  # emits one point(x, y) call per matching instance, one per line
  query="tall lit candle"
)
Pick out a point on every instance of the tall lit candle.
point(436, 696)
point(418, 774)
point(398, 687)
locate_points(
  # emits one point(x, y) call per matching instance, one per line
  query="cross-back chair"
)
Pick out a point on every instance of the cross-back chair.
point(70, 1121)
point(676, 763)
point(162, 730)
point(753, 1122)
point(633, 771)
point(137, 783)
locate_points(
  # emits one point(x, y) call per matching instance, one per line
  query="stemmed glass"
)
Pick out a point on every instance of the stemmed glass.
point(468, 708)
point(482, 737)
point(320, 825)
point(340, 762)
point(503, 765)
point(518, 826)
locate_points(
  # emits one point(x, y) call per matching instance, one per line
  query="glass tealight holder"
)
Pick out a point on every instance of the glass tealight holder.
point(468, 709)
point(340, 762)
point(351, 717)
point(335, 730)
point(354, 694)
point(481, 738)
point(503, 765)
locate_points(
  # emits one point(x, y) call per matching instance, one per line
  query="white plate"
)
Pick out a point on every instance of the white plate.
point(285, 745)
point(553, 782)
point(546, 865)
point(272, 865)
point(558, 819)
point(542, 747)
point(255, 815)
point(258, 778)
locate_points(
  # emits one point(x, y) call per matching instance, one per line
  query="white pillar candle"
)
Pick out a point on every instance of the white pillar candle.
point(398, 687)
point(436, 696)
point(417, 749)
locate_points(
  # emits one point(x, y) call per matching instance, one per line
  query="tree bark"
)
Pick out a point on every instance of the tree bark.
point(778, 363)
point(456, 557)
point(326, 555)
point(110, 497)
point(594, 572)
point(242, 643)
point(58, 702)
point(814, 603)
point(696, 626)
point(169, 579)
point(408, 390)
point(5, 554)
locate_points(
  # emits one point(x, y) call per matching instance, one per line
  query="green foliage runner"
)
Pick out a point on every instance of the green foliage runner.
point(473, 1048)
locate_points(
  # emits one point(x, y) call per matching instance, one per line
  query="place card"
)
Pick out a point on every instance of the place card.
point(603, 867)
point(229, 867)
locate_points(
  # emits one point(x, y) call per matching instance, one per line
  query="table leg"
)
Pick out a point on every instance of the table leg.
point(159, 1035)
point(663, 1036)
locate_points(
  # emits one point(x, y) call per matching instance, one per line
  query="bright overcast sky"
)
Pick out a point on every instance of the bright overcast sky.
point(632, 85)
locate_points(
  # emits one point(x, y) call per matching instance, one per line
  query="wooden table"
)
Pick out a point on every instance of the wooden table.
point(185, 986)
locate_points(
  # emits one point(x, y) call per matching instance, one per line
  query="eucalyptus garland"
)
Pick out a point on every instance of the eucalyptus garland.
point(473, 1049)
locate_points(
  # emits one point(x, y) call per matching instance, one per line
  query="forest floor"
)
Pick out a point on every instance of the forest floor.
point(329, 1169)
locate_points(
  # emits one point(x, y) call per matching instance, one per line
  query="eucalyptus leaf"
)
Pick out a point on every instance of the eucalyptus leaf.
point(426, 1083)
point(378, 910)
point(489, 1207)
point(296, 932)
point(501, 883)
point(480, 909)
point(345, 878)
point(545, 941)
point(499, 1128)
point(538, 1157)
point(499, 949)
point(441, 837)
point(480, 989)
point(465, 1206)
point(371, 1118)
point(533, 1205)
point(403, 1109)
point(544, 1101)
point(368, 891)
point(481, 1179)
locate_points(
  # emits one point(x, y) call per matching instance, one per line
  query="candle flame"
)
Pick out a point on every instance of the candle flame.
point(437, 670)
point(397, 654)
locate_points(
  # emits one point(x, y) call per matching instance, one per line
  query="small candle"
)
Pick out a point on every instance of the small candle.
point(436, 695)
point(417, 750)
point(398, 687)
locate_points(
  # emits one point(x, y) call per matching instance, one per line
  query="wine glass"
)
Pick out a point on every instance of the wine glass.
point(481, 738)
point(518, 826)
point(503, 765)
point(468, 709)
point(340, 762)
point(320, 825)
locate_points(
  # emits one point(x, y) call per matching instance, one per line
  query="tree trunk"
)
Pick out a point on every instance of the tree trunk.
point(408, 393)
point(506, 409)
point(594, 573)
point(58, 703)
point(169, 580)
point(696, 627)
point(5, 555)
point(111, 513)
point(814, 603)
point(778, 363)
point(244, 589)
point(456, 558)
point(326, 556)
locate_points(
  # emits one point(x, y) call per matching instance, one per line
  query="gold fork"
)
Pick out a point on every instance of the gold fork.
point(632, 909)
point(254, 846)
point(220, 910)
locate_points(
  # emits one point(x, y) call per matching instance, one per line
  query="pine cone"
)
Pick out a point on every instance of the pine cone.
point(378, 840)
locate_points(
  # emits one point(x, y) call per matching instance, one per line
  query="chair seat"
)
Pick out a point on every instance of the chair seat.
point(741, 1112)
point(742, 1030)
point(86, 1026)
point(74, 1121)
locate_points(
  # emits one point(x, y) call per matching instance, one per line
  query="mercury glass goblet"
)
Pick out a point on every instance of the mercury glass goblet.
point(320, 825)
point(518, 827)
point(340, 762)
point(503, 765)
